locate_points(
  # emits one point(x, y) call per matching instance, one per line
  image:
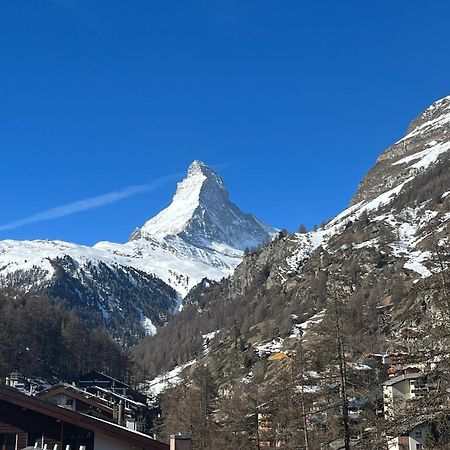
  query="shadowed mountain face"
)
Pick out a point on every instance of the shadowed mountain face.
point(136, 286)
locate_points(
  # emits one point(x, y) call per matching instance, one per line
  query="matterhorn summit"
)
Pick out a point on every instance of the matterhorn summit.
point(202, 215)
point(201, 234)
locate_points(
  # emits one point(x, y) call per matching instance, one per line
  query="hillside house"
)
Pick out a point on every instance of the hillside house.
point(399, 392)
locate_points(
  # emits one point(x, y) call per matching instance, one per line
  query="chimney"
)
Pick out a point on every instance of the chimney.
point(180, 442)
point(120, 417)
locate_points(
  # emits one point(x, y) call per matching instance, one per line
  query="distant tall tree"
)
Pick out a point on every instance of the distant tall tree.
point(302, 229)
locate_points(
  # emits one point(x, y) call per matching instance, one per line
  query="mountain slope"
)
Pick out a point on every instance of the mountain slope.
point(387, 254)
point(134, 287)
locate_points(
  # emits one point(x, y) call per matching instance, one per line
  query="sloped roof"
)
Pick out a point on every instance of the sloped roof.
point(405, 376)
point(141, 440)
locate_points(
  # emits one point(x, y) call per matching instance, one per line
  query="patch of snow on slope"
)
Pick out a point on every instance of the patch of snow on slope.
point(163, 382)
point(415, 263)
point(367, 244)
point(149, 326)
point(269, 348)
point(300, 328)
point(408, 235)
point(383, 199)
point(415, 156)
point(355, 211)
point(304, 247)
point(432, 155)
point(206, 340)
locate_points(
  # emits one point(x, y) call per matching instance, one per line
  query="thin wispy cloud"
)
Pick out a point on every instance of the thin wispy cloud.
point(88, 203)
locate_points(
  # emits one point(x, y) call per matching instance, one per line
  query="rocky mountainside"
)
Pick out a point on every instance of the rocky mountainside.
point(135, 286)
point(387, 255)
point(426, 139)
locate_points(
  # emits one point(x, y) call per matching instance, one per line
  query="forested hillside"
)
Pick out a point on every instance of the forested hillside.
point(42, 340)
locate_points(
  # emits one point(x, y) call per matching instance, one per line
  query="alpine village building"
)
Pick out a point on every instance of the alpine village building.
point(96, 413)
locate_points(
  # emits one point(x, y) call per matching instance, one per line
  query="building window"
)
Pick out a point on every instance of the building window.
point(418, 434)
point(419, 447)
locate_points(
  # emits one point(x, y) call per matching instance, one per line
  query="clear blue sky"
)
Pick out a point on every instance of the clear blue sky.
point(294, 100)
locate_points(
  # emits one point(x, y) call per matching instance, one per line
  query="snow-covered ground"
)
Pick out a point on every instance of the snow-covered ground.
point(165, 381)
point(299, 329)
point(207, 338)
point(269, 348)
point(425, 157)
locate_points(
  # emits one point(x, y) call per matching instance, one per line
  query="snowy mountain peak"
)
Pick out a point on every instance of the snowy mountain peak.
point(201, 214)
point(199, 168)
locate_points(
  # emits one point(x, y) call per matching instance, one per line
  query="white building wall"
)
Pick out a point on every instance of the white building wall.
point(417, 436)
point(102, 442)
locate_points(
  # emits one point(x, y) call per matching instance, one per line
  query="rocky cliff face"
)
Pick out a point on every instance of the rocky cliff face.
point(426, 139)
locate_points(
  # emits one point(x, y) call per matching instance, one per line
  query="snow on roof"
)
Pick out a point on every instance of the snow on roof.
point(126, 399)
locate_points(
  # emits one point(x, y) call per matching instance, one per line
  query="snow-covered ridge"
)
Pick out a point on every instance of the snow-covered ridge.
point(174, 218)
point(201, 234)
point(307, 243)
point(435, 117)
point(425, 157)
point(409, 225)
